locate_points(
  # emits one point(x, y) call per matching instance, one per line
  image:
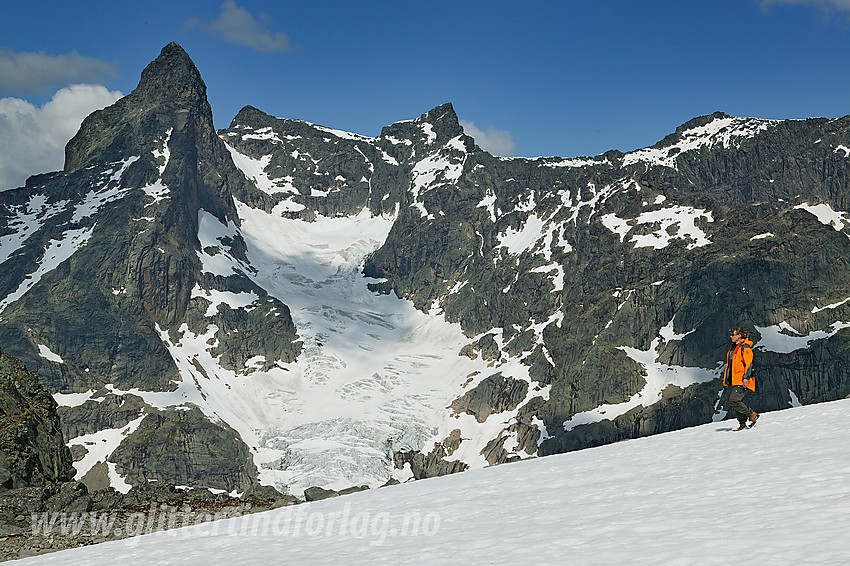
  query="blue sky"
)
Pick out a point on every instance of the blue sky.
point(566, 78)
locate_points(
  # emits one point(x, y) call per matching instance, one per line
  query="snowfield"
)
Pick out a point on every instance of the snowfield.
point(776, 494)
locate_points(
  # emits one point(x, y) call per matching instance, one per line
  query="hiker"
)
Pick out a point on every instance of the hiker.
point(737, 375)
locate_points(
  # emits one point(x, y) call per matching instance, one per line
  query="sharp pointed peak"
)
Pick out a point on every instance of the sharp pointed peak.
point(174, 47)
point(249, 115)
point(442, 113)
point(169, 94)
point(173, 69)
point(444, 119)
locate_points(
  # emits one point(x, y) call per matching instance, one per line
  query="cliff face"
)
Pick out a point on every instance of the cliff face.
point(32, 449)
point(287, 303)
point(105, 259)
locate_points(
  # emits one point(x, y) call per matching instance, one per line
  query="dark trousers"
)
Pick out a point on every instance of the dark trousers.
point(736, 399)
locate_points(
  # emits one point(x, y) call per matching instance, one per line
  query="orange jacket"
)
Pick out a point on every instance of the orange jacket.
point(739, 364)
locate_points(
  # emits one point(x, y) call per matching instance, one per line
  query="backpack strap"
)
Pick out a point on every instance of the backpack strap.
point(750, 368)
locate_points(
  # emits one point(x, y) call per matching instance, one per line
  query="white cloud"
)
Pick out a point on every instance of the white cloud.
point(497, 142)
point(33, 139)
point(29, 73)
point(236, 25)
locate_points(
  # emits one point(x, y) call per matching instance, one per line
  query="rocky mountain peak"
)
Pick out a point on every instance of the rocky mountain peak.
point(434, 128)
point(444, 120)
point(173, 77)
point(165, 129)
point(249, 115)
point(444, 113)
point(701, 121)
point(692, 124)
point(170, 97)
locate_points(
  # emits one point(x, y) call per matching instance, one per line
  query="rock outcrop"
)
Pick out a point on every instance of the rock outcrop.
point(32, 449)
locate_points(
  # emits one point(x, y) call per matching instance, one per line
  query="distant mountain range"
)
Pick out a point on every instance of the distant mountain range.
point(287, 304)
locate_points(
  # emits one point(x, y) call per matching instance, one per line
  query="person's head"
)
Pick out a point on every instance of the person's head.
point(737, 334)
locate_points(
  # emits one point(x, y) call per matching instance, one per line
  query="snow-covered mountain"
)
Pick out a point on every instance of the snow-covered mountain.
point(284, 303)
point(776, 494)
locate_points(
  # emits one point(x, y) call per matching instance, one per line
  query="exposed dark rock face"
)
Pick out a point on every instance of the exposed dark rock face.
point(332, 174)
point(122, 222)
point(139, 265)
point(32, 450)
point(434, 463)
point(185, 448)
point(113, 411)
point(494, 394)
point(318, 493)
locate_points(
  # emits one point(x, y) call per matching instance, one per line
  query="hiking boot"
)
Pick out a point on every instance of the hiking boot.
point(741, 426)
point(753, 418)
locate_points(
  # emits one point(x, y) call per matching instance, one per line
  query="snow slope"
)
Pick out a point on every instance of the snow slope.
point(777, 494)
